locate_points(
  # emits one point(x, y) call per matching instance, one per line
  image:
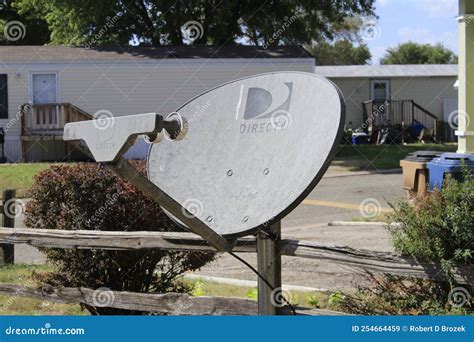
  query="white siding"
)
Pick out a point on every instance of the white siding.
point(126, 88)
point(428, 92)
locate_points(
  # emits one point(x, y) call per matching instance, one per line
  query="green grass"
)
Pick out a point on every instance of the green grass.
point(17, 305)
point(379, 157)
point(24, 275)
point(318, 300)
point(19, 176)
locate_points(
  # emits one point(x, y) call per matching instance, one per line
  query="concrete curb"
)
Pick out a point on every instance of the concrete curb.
point(360, 223)
point(249, 283)
point(364, 173)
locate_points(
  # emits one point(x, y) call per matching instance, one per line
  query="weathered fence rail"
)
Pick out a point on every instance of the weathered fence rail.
point(166, 303)
point(357, 259)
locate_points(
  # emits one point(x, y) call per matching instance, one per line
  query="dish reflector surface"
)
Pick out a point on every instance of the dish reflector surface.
point(254, 149)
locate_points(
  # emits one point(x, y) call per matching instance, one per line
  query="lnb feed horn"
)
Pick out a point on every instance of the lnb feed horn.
point(109, 138)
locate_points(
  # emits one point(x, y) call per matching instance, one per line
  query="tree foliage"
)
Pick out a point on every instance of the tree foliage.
point(342, 52)
point(36, 30)
point(160, 22)
point(414, 53)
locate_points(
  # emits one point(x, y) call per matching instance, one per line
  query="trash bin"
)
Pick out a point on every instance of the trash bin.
point(415, 171)
point(451, 163)
point(360, 138)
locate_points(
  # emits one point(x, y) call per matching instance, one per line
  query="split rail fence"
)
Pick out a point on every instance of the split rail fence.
point(173, 303)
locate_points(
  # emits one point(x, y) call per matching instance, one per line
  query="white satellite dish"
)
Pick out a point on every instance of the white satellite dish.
point(254, 150)
point(234, 159)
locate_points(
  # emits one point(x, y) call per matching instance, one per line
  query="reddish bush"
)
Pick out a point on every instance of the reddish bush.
point(90, 197)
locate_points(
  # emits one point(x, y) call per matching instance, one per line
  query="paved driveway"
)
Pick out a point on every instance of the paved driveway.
point(334, 199)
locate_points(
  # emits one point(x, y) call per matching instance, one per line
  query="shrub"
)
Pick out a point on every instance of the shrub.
point(90, 197)
point(394, 295)
point(438, 226)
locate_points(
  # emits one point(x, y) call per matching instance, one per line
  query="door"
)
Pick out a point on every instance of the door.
point(44, 91)
point(44, 88)
point(380, 94)
point(450, 117)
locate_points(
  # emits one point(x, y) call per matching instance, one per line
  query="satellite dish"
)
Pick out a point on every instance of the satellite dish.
point(254, 149)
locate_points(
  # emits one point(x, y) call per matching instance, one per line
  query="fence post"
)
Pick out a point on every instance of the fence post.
point(269, 266)
point(8, 221)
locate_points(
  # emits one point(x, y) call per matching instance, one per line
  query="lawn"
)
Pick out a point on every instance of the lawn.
point(24, 275)
point(16, 305)
point(380, 157)
point(20, 176)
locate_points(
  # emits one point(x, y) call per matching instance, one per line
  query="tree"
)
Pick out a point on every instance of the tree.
point(342, 52)
point(414, 53)
point(27, 28)
point(160, 22)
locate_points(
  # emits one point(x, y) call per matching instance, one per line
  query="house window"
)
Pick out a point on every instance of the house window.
point(3, 97)
point(380, 90)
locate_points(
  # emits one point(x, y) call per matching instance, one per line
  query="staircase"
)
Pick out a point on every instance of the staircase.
point(399, 112)
point(46, 121)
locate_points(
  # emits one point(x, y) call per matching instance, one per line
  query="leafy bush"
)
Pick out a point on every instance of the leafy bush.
point(90, 197)
point(438, 226)
point(394, 295)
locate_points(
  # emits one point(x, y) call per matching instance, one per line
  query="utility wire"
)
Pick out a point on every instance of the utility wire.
point(263, 279)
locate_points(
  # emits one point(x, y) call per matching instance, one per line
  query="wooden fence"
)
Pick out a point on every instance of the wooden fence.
point(173, 303)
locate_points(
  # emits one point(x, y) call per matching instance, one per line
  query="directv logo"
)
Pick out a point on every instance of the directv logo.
point(259, 106)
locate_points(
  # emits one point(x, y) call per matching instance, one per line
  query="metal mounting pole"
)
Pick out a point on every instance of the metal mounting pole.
point(269, 266)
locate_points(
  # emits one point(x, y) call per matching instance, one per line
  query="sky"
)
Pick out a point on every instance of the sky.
point(421, 21)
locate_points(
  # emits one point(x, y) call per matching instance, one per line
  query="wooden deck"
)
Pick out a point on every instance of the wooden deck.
point(45, 122)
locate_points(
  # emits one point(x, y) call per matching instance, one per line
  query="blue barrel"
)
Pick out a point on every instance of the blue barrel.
point(451, 163)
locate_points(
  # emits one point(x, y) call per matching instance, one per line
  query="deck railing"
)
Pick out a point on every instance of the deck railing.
point(392, 112)
point(49, 118)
